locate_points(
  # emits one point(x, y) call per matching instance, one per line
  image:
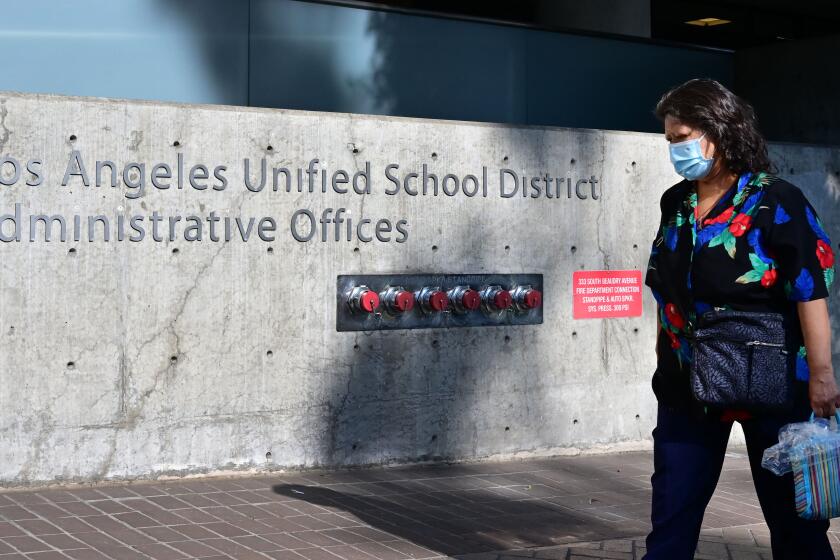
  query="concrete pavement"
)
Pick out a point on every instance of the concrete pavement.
point(569, 507)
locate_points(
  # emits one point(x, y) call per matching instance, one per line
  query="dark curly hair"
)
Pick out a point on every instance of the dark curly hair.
point(726, 118)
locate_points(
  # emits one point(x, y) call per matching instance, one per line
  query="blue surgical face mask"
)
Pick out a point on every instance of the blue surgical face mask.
point(688, 159)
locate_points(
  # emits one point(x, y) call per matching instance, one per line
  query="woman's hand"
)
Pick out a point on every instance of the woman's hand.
point(823, 392)
point(816, 331)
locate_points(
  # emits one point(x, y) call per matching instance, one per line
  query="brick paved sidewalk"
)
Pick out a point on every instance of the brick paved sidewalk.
point(575, 507)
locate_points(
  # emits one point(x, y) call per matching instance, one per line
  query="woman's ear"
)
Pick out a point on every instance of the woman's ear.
point(709, 148)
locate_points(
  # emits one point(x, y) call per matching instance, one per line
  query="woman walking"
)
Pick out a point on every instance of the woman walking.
point(732, 236)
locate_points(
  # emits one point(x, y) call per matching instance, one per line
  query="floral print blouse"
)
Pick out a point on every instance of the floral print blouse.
point(761, 248)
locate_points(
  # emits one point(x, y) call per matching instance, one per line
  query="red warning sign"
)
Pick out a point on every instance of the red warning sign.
point(606, 293)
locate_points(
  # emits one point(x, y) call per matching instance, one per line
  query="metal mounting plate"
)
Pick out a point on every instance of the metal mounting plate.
point(347, 320)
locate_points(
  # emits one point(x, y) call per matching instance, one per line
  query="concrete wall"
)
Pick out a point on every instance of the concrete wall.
point(798, 100)
point(128, 359)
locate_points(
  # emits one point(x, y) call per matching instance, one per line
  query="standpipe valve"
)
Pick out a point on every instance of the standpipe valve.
point(363, 300)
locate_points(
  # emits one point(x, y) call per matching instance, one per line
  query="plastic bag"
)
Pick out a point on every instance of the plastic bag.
point(811, 451)
point(794, 439)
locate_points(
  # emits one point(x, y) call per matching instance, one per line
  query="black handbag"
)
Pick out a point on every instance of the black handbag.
point(743, 360)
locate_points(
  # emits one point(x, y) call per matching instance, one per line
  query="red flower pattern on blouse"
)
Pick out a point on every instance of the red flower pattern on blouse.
point(675, 342)
point(674, 316)
point(825, 254)
point(740, 224)
point(720, 218)
point(768, 278)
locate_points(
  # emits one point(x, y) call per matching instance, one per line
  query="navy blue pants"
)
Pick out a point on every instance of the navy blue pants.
point(688, 452)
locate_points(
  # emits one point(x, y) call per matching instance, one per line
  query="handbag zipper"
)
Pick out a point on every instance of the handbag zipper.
point(762, 343)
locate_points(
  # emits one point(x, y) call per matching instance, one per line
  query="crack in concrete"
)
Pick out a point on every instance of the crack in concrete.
point(604, 256)
point(109, 458)
point(335, 416)
point(198, 275)
point(129, 417)
point(605, 358)
point(356, 151)
point(171, 326)
point(36, 448)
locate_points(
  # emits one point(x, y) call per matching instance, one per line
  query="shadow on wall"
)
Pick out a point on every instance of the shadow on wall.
point(399, 395)
point(431, 394)
point(451, 394)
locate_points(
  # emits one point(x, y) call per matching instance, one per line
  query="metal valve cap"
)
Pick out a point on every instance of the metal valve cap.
point(533, 299)
point(404, 301)
point(496, 298)
point(464, 299)
point(471, 300)
point(438, 301)
point(363, 299)
point(398, 300)
point(433, 299)
point(502, 300)
point(526, 298)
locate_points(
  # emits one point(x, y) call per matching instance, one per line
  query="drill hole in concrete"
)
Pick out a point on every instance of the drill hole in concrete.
point(574, 333)
point(269, 353)
point(637, 417)
point(435, 344)
point(507, 428)
point(632, 164)
point(173, 359)
point(355, 151)
point(72, 137)
point(575, 421)
point(635, 245)
point(175, 251)
point(791, 170)
point(270, 250)
point(507, 248)
point(572, 161)
point(176, 143)
point(12, 330)
point(635, 329)
point(71, 365)
point(574, 248)
point(507, 338)
point(355, 249)
point(434, 155)
point(269, 148)
point(71, 251)
point(505, 158)
point(268, 456)
point(356, 347)
point(354, 446)
point(434, 247)
point(434, 437)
